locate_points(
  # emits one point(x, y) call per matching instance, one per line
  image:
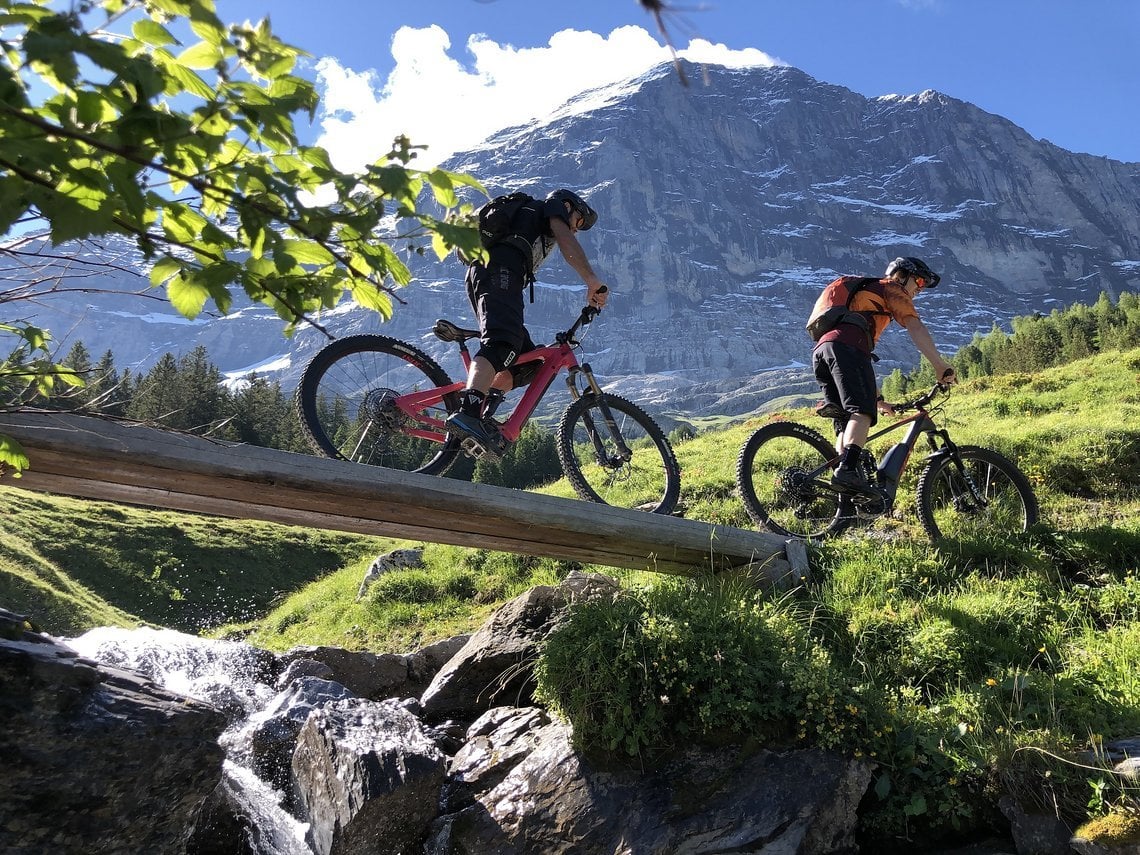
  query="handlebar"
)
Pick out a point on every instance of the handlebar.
point(923, 400)
point(588, 314)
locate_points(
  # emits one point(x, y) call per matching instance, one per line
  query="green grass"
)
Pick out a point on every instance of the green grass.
point(73, 564)
point(964, 670)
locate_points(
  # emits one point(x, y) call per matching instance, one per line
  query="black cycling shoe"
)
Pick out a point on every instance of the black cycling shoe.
point(850, 479)
point(478, 437)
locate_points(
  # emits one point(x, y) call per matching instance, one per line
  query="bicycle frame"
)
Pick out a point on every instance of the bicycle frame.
point(553, 358)
point(919, 423)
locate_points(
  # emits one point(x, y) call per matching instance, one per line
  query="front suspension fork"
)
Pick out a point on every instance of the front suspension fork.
point(624, 453)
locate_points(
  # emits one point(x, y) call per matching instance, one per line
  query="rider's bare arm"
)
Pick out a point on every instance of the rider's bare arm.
point(922, 339)
point(596, 292)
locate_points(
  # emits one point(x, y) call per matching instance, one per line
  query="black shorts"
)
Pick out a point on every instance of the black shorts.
point(847, 377)
point(496, 295)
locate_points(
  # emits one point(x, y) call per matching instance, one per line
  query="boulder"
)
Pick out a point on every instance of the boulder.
point(367, 778)
point(98, 759)
point(529, 791)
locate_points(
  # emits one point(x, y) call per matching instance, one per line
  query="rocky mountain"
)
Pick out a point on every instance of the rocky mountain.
point(725, 206)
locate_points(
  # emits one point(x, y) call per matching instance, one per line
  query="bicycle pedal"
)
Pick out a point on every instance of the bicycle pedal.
point(477, 451)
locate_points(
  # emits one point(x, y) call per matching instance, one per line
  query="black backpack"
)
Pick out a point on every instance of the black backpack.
point(496, 227)
point(497, 216)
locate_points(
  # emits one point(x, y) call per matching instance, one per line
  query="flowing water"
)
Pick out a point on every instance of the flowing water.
point(228, 675)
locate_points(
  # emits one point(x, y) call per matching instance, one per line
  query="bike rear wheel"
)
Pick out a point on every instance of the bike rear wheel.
point(589, 451)
point(345, 400)
point(773, 473)
point(996, 501)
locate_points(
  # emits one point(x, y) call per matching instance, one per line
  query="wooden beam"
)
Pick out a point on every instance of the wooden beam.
point(117, 461)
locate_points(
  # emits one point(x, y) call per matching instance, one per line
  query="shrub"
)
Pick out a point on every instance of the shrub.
point(682, 661)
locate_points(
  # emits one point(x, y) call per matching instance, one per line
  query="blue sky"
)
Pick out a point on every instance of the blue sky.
point(1064, 70)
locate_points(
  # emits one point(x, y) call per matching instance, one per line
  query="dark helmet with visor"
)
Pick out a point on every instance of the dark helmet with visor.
point(914, 267)
point(577, 203)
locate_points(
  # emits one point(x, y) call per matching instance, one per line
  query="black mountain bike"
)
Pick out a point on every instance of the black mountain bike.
point(964, 491)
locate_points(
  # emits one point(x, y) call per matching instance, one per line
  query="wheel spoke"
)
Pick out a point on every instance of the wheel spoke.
point(593, 459)
point(780, 472)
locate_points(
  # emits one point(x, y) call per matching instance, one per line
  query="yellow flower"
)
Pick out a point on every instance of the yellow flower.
point(991, 682)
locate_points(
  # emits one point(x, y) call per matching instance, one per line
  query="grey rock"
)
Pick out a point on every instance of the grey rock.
point(546, 798)
point(1035, 833)
point(98, 759)
point(494, 667)
point(369, 675)
point(303, 667)
point(269, 737)
point(397, 559)
point(367, 778)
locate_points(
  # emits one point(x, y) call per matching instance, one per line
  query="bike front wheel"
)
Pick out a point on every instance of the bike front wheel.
point(778, 473)
point(346, 401)
point(614, 453)
point(986, 496)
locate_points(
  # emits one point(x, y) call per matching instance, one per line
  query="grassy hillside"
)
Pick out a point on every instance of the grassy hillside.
point(73, 564)
point(964, 670)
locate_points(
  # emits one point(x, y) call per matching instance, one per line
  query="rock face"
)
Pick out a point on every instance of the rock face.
point(517, 786)
point(725, 207)
point(97, 760)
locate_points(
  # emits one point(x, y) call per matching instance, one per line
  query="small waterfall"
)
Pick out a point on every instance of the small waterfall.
point(232, 677)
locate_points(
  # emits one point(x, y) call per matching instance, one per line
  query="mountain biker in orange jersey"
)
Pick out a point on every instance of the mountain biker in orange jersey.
point(496, 294)
point(842, 360)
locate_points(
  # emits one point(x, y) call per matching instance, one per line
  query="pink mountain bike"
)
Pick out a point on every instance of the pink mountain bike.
point(376, 400)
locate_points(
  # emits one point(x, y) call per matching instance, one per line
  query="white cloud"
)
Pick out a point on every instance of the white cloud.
point(438, 102)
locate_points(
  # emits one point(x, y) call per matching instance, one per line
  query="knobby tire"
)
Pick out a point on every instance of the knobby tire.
point(947, 506)
point(772, 476)
point(344, 404)
point(649, 481)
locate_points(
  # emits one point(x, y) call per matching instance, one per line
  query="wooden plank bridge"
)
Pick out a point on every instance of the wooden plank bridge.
point(100, 458)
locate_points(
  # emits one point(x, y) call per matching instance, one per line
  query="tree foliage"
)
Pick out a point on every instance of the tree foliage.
point(155, 120)
point(1037, 342)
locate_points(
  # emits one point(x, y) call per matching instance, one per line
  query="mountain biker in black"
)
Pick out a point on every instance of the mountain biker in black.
point(496, 294)
point(843, 365)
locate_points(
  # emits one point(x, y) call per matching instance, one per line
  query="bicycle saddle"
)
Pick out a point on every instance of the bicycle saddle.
point(447, 331)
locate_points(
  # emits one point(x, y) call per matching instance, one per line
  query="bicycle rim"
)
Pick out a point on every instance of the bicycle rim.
point(1000, 502)
point(773, 473)
point(592, 460)
point(345, 400)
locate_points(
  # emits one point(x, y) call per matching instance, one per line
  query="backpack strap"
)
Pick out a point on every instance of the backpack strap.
point(852, 290)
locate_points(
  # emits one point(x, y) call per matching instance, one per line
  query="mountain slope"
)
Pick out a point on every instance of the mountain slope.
point(724, 208)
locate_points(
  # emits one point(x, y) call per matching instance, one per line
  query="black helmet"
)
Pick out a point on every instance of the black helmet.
point(914, 267)
point(577, 203)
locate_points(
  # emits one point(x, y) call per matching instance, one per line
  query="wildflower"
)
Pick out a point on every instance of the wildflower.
point(991, 682)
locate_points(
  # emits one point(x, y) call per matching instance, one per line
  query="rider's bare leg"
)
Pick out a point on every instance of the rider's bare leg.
point(481, 376)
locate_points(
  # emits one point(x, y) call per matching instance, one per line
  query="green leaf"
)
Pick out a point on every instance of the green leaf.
point(917, 805)
point(883, 786)
point(188, 294)
point(189, 81)
point(309, 252)
point(201, 55)
point(366, 294)
point(12, 454)
point(152, 33)
point(163, 269)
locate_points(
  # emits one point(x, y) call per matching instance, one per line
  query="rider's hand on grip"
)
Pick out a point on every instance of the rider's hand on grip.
point(591, 311)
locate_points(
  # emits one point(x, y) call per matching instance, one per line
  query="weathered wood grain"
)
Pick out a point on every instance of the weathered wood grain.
point(119, 461)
